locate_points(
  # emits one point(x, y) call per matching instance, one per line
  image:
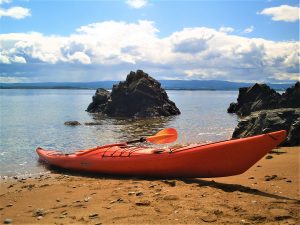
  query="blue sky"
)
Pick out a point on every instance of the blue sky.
point(103, 40)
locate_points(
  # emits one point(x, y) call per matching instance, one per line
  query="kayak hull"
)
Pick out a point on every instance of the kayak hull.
point(220, 159)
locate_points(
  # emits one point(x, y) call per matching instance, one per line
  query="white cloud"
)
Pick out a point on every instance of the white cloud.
point(109, 50)
point(80, 57)
point(248, 30)
point(4, 59)
point(15, 12)
point(282, 13)
point(137, 3)
point(18, 59)
point(226, 29)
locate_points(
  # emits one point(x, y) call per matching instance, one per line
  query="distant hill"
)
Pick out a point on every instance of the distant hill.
point(166, 84)
point(59, 85)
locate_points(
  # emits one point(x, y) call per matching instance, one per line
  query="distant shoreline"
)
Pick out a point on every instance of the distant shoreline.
point(83, 88)
point(207, 85)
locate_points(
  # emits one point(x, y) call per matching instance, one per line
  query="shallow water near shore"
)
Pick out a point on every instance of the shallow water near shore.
point(32, 118)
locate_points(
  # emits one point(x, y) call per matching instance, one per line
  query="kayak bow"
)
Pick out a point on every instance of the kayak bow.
point(219, 159)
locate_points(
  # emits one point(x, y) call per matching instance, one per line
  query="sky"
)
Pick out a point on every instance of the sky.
point(94, 40)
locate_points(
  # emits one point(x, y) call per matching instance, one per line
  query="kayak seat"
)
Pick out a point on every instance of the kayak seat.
point(158, 151)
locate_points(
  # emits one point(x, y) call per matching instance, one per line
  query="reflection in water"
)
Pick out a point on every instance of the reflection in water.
point(123, 129)
point(32, 118)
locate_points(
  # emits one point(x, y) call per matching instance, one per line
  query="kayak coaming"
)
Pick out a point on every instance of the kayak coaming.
point(219, 159)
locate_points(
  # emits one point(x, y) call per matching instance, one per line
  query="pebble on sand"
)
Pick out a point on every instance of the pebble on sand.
point(143, 203)
point(93, 215)
point(172, 183)
point(209, 218)
point(272, 177)
point(39, 212)
point(280, 214)
point(7, 221)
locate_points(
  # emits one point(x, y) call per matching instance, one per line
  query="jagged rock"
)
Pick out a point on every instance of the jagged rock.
point(277, 119)
point(260, 97)
point(291, 97)
point(268, 111)
point(138, 96)
point(256, 97)
point(100, 100)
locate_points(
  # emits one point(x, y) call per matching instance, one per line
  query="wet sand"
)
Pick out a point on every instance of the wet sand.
point(268, 193)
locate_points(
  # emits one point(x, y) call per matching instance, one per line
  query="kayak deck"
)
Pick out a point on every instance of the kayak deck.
point(225, 158)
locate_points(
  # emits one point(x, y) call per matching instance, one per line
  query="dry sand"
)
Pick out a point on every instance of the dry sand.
point(268, 193)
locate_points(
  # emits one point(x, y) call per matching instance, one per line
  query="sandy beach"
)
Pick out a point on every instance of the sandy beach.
point(268, 193)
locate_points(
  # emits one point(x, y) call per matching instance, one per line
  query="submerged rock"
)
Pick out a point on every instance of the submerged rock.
point(72, 123)
point(271, 120)
point(138, 96)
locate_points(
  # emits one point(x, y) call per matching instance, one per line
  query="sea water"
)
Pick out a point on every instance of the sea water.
point(35, 117)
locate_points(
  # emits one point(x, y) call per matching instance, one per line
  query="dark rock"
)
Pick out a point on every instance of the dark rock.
point(7, 221)
point(92, 123)
point(280, 214)
point(232, 107)
point(138, 96)
point(93, 215)
point(139, 193)
point(293, 137)
point(261, 97)
point(72, 123)
point(100, 100)
point(290, 99)
point(172, 183)
point(39, 212)
point(269, 178)
point(277, 119)
point(256, 97)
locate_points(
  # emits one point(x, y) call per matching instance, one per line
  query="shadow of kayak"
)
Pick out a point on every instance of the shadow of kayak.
point(202, 183)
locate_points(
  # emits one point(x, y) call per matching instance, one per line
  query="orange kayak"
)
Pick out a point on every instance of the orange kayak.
point(219, 159)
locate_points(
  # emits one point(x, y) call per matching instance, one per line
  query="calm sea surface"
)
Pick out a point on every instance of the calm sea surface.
point(32, 118)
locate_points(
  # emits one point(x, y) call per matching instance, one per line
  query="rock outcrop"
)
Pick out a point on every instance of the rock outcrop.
point(72, 123)
point(260, 97)
point(271, 120)
point(291, 97)
point(138, 96)
point(100, 101)
point(267, 110)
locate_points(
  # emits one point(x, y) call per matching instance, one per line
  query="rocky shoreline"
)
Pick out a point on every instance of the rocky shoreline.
point(262, 109)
